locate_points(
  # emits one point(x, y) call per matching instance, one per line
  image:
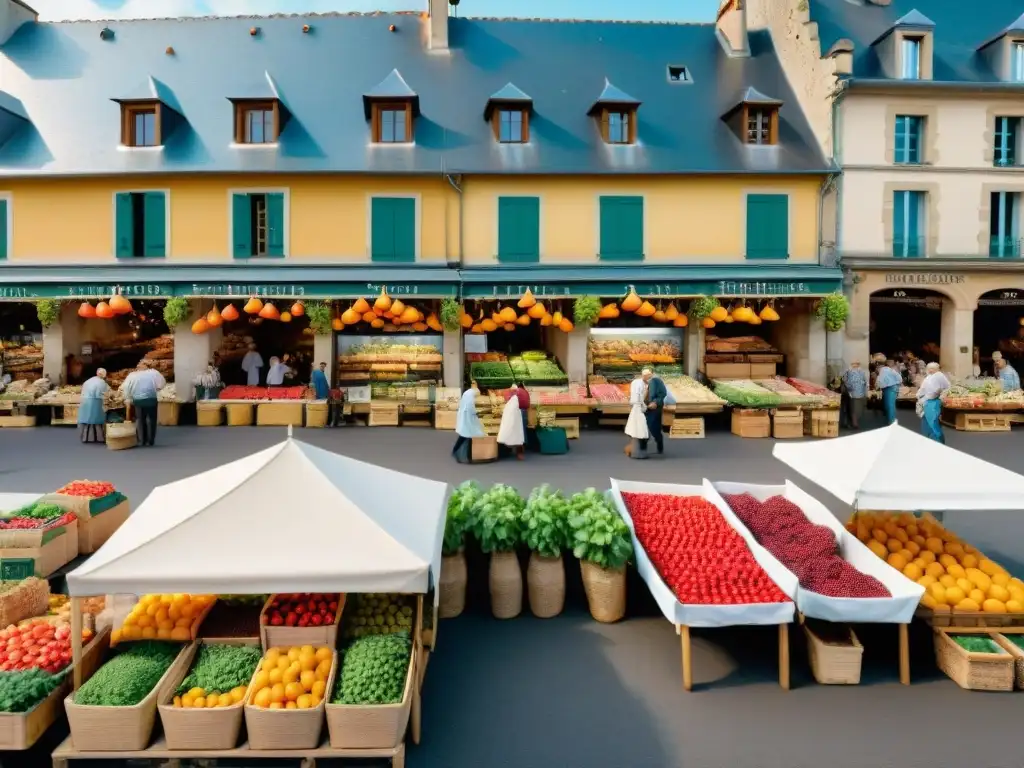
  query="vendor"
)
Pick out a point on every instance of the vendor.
point(277, 372)
point(252, 364)
point(1007, 375)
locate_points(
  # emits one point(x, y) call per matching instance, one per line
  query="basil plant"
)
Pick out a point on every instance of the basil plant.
point(599, 534)
point(497, 519)
point(459, 516)
point(546, 522)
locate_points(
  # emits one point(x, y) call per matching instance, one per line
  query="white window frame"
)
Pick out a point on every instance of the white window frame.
point(1017, 61)
point(113, 217)
point(1008, 230)
point(910, 50)
point(261, 191)
point(370, 196)
point(540, 221)
point(790, 222)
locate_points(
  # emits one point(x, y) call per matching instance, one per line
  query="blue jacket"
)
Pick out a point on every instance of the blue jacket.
point(657, 392)
point(320, 385)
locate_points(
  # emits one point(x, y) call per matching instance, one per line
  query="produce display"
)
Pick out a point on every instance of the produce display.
point(66, 394)
point(573, 394)
point(701, 558)
point(737, 345)
point(219, 676)
point(809, 551)
point(957, 576)
point(688, 390)
point(365, 360)
point(377, 614)
point(37, 643)
point(374, 670)
point(91, 489)
point(292, 678)
point(39, 510)
point(746, 393)
point(491, 375)
point(808, 388)
point(977, 643)
point(789, 394)
point(606, 393)
point(618, 358)
point(163, 617)
point(1017, 640)
point(60, 606)
point(20, 522)
point(301, 610)
point(486, 357)
point(128, 677)
point(22, 691)
point(536, 372)
point(241, 392)
point(981, 394)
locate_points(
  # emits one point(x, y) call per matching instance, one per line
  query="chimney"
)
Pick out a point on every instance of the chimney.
point(732, 27)
point(14, 13)
point(438, 24)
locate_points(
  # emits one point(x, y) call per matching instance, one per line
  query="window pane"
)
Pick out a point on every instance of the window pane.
point(1017, 65)
point(399, 125)
point(510, 127)
point(259, 126)
point(908, 224)
point(911, 58)
point(145, 129)
point(268, 126)
point(392, 126)
point(758, 123)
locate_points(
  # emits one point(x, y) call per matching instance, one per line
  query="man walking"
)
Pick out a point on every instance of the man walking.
point(889, 383)
point(656, 394)
point(856, 384)
point(140, 390)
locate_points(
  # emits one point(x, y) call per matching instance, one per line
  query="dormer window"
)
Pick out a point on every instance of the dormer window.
point(391, 107)
point(508, 111)
point(755, 118)
point(911, 58)
point(905, 48)
point(616, 112)
point(513, 126)
point(759, 125)
point(392, 123)
point(140, 125)
point(678, 74)
point(257, 122)
point(1017, 61)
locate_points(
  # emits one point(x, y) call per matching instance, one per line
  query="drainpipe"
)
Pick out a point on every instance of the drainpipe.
point(455, 182)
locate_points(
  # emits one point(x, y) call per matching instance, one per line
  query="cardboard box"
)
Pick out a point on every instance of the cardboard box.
point(727, 370)
point(787, 425)
point(750, 423)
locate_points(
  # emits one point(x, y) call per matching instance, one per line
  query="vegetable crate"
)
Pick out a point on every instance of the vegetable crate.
point(287, 728)
point(383, 415)
point(970, 670)
point(39, 552)
point(316, 414)
point(240, 414)
point(687, 428)
point(750, 423)
point(18, 421)
point(279, 414)
point(834, 664)
point(168, 413)
point(98, 518)
point(787, 424)
point(445, 419)
point(1007, 643)
point(821, 423)
point(283, 637)
point(968, 619)
point(23, 601)
point(978, 422)
point(209, 413)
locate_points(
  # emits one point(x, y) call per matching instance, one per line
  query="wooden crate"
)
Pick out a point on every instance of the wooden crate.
point(687, 428)
point(571, 427)
point(240, 414)
point(969, 619)
point(316, 414)
point(484, 449)
point(964, 421)
point(18, 421)
point(280, 414)
point(787, 425)
point(58, 550)
point(821, 423)
point(1018, 657)
point(445, 419)
point(209, 413)
point(973, 671)
point(762, 370)
point(750, 423)
point(372, 726)
point(285, 637)
point(383, 415)
point(727, 370)
point(95, 530)
point(168, 413)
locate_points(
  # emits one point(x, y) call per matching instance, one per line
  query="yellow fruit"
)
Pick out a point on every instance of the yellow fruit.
point(149, 633)
point(919, 540)
point(977, 596)
point(181, 634)
point(928, 556)
point(967, 605)
point(912, 572)
point(996, 592)
point(980, 580)
point(938, 592)
point(969, 561)
point(277, 692)
point(900, 534)
point(894, 545)
point(307, 650)
point(262, 698)
point(955, 570)
point(890, 528)
point(196, 692)
point(954, 594)
point(896, 561)
point(293, 654)
point(926, 581)
point(272, 655)
point(186, 700)
point(144, 622)
point(954, 549)
point(291, 674)
point(993, 606)
point(183, 622)
point(907, 555)
point(290, 705)
point(176, 701)
point(1016, 593)
point(912, 530)
point(163, 634)
point(307, 663)
point(988, 567)
point(316, 700)
point(947, 581)
point(276, 705)
point(293, 690)
point(323, 669)
point(1001, 579)
point(878, 548)
point(318, 689)
point(323, 653)
point(934, 545)
point(965, 585)
point(1015, 582)
point(913, 547)
point(307, 678)
point(199, 703)
point(941, 608)
point(880, 535)
point(934, 569)
point(225, 700)
point(928, 601)
point(214, 700)
point(305, 701)
point(1015, 606)
point(276, 676)
point(283, 663)
point(947, 560)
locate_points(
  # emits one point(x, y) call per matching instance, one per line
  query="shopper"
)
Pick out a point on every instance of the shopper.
point(467, 425)
point(91, 414)
point(277, 372)
point(656, 394)
point(321, 387)
point(140, 390)
point(636, 424)
point(856, 384)
point(929, 402)
point(512, 431)
point(520, 393)
point(1007, 375)
point(889, 383)
point(252, 364)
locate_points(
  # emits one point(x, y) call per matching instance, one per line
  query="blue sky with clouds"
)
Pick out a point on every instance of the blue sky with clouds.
point(644, 10)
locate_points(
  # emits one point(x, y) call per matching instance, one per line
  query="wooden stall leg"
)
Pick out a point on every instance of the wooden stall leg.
point(308, 762)
point(684, 634)
point(905, 654)
point(416, 712)
point(60, 762)
point(784, 656)
point(76, 640)
point(398, 760)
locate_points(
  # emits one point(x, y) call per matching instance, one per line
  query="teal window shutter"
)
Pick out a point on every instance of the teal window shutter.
point(155, 224)
point(405, 228)
point(4, 227)
point(622, 228)
point(275, 224)
point(519, 229)
point(767, 226)
point(382, 229)
point(241, 226)
point(124, 225)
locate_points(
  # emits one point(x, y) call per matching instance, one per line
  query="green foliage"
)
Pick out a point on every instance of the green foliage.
point(599, 534)
point(21, 691)
point(545, 522)
point(459, 517)
point(374, 670)
point(129, 677)
point(976, 644)
point(221, 667)
point(702, 306)
point(451, 310)
point(176, 312)
point(320, 314)
point(497, 519)
point(48, 312)
point(833, 309)
point(585, 311)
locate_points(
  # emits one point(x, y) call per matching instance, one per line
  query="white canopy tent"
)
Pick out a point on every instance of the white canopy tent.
point(893, 468)
point(291, 518)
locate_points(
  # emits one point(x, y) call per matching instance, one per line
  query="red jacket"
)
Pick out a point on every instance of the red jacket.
point(522, 395)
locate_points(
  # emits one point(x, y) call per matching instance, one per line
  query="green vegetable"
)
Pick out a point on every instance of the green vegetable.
point(176, 311)
point(833, 309)
point(977, 644)
point(545, 522)
point(48, 311)
point(585, 310)
point(747, 393)
point(221, 667)
point(599, 534)
point(460, 507)
point(39, 510)
point(21, 691)
point(451, 313)
point(701, 307)
point(130, 676)
point(320, 314)
point(497, 519)
point(243, 600)
point(1017, 640)
point(377, 614)
point(491, 375)
point(374, 670)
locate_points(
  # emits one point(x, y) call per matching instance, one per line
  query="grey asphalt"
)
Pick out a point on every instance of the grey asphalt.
point(570, 692)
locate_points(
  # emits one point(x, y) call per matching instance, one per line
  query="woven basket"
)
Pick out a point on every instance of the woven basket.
point(209, 414)
point(1018, 658)
point(506, 583)
point(168, 413)
point(29, 598)
point(374, 726)
point(316, 414)
point(545, 582)
point(974, 671)
point(606, 591)
point(834, 664)
point(452, 600)
point(240, 414)
point(287, 728)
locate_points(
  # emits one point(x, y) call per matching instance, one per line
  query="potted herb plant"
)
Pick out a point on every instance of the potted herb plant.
point(545, 526)
point(497, 520)
point(602, 544)
point(452, 599)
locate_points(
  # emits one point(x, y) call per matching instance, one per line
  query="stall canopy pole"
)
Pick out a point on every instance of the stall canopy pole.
point(76, 640)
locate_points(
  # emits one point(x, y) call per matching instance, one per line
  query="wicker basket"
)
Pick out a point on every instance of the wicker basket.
point(452, 600)
point(286, 637)
point(316, 414)
point(118, 729)
point(506, 584)
point(606, 591)
point(287, 728)
point(121, 436)
point(379, 726)
point(279, 414)
point(20, 730)
point(168, 413)
point(240, 414)
point(974, 671)
point(1018, 658)
point(209, 413)
point(834, 664)
point(545, 582)
point(28, 599)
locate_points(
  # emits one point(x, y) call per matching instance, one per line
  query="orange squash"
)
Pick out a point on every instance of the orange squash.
point(269, 312)
point(707, 322)
point(409, 315)
point(527, 300)
point(523, 319)
point(769, 314)
point(350, 316)
point(86, 310)
point(362, 306)
point(420, 327)
point(719, 313)
point(613, 313)
point(566, 325)
point(488, 325)
point(298, 310)
point(286, 317)
point(377, 323)
point(475, 328)
point(556, 318)
point(369, 317)
point(537, 311)
point(229, 313)
point(659, 317)
point(253, 306)
point(509, 326)
point(646, 309)
point(336, 324)
point(728, 320)
point(120, 304)
point(214, 318)
point(383, 302)
point(742, 314)
point(466, 321)
point(397, 308)
point(671, 312)
point(104, 311)
point(508, 315)
point(546, 321)
point(200, 326)
point(754, 319)
point(608, 311)
point(433, 323)
point(632, 302)
point(681, 321)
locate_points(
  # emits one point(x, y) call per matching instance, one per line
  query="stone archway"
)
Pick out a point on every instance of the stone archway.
point(999, 325)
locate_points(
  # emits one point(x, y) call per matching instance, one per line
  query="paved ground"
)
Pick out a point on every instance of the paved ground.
point(569, 692)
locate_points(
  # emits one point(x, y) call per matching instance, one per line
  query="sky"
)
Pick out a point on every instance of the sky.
point(641, 10)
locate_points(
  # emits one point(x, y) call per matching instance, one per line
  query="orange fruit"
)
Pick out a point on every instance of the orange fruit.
point(199, 703)
point(880, 535)
point(912, 572)
point(894, 545)
point(306, 679)
point(292, 691)
point(897, 561)
point(934, 569)
point(967, 605)
point(276, 705)
point(262, 698)
point(878, 548)
point(323, 653)
point(290, 705)
point(947, 581)
point(928, 556)
point(954, 594)
point(934, 544)
point(912, 547)
point(977, 596)
point(277, 692)
point(926, 581)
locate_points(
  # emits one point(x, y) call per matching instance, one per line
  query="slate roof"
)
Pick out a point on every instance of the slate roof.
point(959, 29)
point(66, 76)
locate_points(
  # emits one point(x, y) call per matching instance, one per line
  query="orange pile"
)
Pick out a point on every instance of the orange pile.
point(163, 617)
point(292, 678)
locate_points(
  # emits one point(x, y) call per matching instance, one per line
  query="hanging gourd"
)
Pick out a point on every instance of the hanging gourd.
point(475, 328)
point(350, 316)
point(120, 305)
point(229, 313)
point(253, 306)
point(671, 313)
point(556, 318)
point(509, 326)
point(337, 324)
point(200, 326)
point(383, 302)
point(527, 300)
point(754, 319)
point(719, 313)
point(396, 308)
point(465, 320)
point(742, 314)
point(496, 318)
point(298, 310)
point(369, 317)
point(537, 311)
point(646, 309)
point(660, 317)
point(769, 314)
point(566, 325)
point(488, 325)
point(214, 317)
point(632, 302)
point(680, 320)
point(508, 315)
point(608, 311)
point(104, 311)
point(419, 327)
point(433, 323)
point(546, 321)
point(362, 306)
point(410, 315)
point(707, 322)
point(728, 320)
point(377, 323)
point(269, 312)
point(286, 317)
point(86, 310)
point(523, 320)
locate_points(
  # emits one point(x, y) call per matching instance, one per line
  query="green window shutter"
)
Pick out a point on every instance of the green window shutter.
point(275, 224)
point(519, 229)
point(622, 228)
point(124, 227)
point(767, 226)
point(155, 224)
point(241, 226)
point(382, 229)
point(4, 227)
point(405, 228)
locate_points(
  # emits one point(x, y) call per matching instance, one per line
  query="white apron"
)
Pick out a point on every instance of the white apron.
point(636, 425)
point(511, 430)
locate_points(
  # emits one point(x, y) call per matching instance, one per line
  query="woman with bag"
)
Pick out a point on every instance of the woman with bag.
point(636, 425)
point(511, 431)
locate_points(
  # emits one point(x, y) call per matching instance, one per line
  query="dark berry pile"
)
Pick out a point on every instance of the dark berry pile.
point(810, 551)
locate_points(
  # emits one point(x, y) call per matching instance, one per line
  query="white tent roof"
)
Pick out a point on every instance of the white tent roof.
point(896, 469)
point(291, 518)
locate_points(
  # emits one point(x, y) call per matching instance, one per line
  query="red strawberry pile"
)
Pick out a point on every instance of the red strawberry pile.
point(242, 392)
point(301, 610)
point(92, 489)
point(32, 523)
point(701, 558)
point(36, 644)
point(810, 551)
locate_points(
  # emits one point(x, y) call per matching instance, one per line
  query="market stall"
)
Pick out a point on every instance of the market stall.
point(981, 405)
point(779, 406)
point(368, 530)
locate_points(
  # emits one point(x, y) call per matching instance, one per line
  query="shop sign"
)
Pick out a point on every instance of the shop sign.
point(758, 288)
point(510, 291)
point(17, 292)
point(681, 289)
point(1002, 299)
point(232, 290)
point(85, 291)
point(924, 278)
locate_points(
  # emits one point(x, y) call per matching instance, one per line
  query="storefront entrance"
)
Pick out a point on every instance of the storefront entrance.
point(999, 326)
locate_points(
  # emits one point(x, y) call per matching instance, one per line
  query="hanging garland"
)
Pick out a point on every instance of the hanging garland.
point(834, 309)
point(48, 311)
point(451, 314)
point(176, 312)
point(586, 310)
point(320, 314)
point(702, 306)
